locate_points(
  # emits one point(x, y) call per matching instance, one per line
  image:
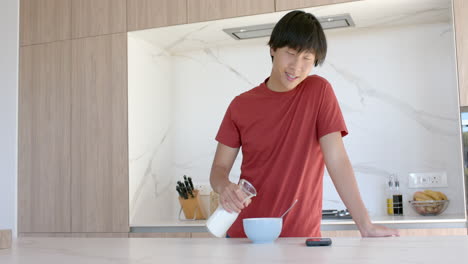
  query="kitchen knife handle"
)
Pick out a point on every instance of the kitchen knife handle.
point(191, 183)
point(178, 191)
point(189, 189)
point(184, 193)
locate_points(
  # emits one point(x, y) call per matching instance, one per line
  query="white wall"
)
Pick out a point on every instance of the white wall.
point(150, 119)
point(9, 15)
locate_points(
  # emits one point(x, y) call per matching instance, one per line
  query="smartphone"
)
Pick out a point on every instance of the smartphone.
point(318, 241)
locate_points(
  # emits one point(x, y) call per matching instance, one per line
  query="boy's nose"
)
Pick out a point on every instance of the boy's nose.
point(297, 64)
point(295, 67)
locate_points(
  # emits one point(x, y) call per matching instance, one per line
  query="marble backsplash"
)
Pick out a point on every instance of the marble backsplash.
point(396, 86)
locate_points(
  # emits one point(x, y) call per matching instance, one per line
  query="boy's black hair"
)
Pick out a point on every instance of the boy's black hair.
point(300, 31)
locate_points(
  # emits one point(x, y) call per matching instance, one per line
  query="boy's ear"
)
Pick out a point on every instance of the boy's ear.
point(272, 53)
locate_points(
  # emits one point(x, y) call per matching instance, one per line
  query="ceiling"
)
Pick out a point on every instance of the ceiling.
point(366, 14)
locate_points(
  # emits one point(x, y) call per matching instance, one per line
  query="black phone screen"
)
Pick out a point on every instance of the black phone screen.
point(318, 241)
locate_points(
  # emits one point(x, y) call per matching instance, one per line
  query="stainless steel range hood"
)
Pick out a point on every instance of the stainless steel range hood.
point(264, 30)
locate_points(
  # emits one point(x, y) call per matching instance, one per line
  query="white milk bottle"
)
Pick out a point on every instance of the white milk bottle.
point(220, 221)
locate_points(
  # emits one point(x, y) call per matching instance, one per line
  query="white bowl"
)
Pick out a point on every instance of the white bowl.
point(264, 229)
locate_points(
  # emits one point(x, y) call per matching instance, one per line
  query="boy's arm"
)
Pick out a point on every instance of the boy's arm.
point(231, 196)
point(342, 175)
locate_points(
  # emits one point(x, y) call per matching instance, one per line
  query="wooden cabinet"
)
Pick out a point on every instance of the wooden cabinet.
point(460, 11)
point(144, 14)
point(44, 138)
point(203, 10)
point(44, 21)
point(5, 238)
point(73, 144)
point(162, 235)
point(93, 18)
point(44, 234)
point(293, 4)
point(101, 235)
point(98, 234)
point(99, 134)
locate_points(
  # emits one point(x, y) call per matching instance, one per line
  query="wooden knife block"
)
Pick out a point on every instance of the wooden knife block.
point(214, 201)
point(192, 207)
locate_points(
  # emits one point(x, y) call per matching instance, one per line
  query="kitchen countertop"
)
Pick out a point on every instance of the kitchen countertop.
point(211, 250)
point(403, 222)
point(377, 220)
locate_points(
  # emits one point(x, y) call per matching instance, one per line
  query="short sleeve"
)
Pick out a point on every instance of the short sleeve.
point(228, 133)
point(330, 119)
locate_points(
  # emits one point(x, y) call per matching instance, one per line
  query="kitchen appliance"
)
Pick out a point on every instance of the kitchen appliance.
point(336, 214)
point(264, 30)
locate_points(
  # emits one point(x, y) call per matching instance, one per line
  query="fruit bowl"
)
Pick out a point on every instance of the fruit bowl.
point(429, 207)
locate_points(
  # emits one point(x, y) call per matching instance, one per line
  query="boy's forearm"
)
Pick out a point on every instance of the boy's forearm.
point(219, 178)
point(341, 172)
point(345, 183)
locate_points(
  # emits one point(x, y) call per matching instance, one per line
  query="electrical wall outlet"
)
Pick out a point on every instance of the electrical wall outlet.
point(203, 189)
point(427, 179)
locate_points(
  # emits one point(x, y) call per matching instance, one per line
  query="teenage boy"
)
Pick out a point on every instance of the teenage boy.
point(289, 128)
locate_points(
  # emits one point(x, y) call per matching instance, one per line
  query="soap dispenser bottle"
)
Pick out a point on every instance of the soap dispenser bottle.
point(397, 198)
point(389, 195)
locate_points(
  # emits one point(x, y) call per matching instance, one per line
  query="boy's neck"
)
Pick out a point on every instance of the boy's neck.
point(276, 86)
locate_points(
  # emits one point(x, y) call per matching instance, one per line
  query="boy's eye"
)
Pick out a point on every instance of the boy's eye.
point(307, 58)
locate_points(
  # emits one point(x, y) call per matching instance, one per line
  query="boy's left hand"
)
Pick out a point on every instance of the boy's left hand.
point(378, 231)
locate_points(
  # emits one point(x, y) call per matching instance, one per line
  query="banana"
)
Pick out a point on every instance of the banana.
point(435, 195)
point(432, 194)
point(421, 196)
point(444, 197)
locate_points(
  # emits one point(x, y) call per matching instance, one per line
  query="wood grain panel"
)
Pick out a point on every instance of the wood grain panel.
point(144, 14)
point(93, 18)
point(103, 235)
point(294, 4)
point(341, 233)
point(5, 238)
point(202, 235)
point(433, 232)
point(204, 10)
point(403, 232)
point(45, 234)
point(44, 138)
point(44, 21)
point(99, 134)
point(460, 9)
point(161, 235)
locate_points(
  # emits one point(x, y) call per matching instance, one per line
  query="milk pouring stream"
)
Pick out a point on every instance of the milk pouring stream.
point(220, 221)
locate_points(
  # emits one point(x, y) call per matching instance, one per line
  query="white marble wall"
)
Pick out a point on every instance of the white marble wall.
point(151, 118)
point(396, 86)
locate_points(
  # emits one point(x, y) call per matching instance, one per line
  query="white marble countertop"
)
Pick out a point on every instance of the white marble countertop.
point(404, 219)
point(211, 250)
point(378, 220)
point(328, 224)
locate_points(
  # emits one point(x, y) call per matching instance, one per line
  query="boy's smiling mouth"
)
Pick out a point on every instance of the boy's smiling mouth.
point(290, 77)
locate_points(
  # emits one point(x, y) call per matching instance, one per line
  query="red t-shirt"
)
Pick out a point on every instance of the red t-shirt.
point(279, 133)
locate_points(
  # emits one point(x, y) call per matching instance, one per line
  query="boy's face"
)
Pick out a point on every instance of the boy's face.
point(290, 67)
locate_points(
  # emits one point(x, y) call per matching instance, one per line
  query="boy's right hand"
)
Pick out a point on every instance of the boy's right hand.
point(232, 198)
